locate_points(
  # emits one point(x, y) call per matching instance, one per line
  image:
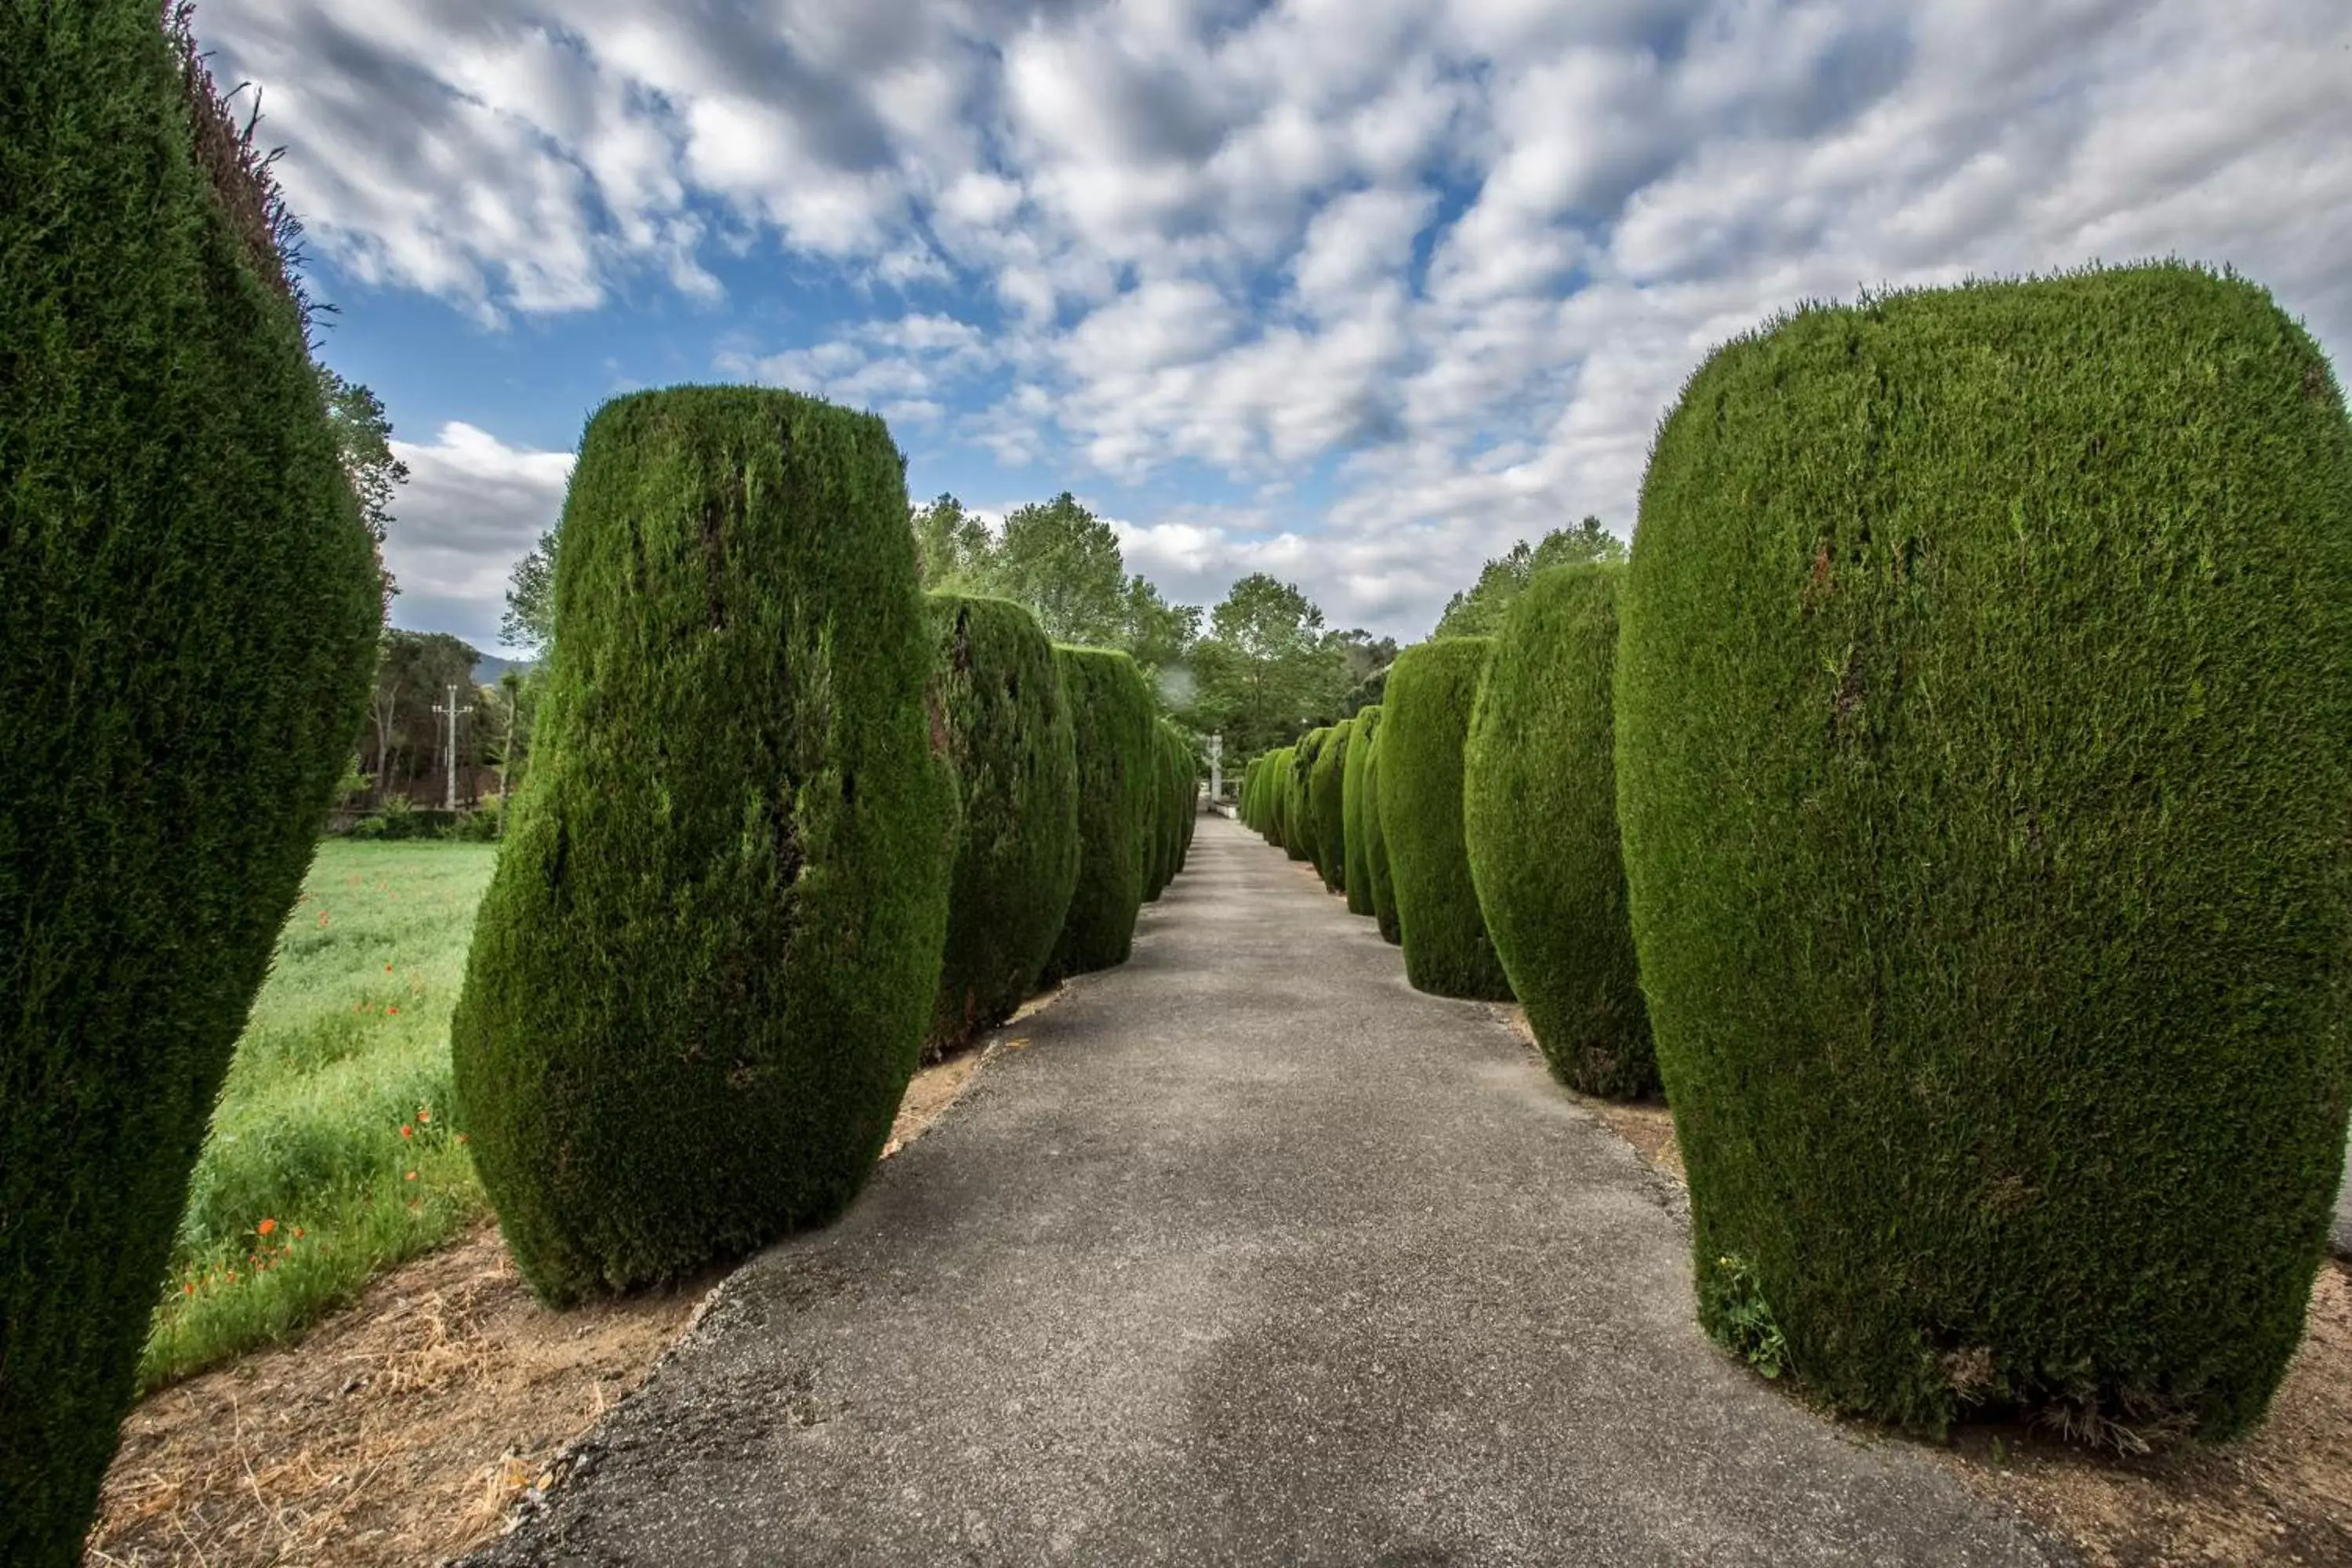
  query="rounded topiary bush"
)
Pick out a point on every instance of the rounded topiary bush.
point(1275, 769)
point(1359, 875)
point(1111, 708)
point(1304, 839)
point(703, 969)
point(1984, 736)
point(1288, 835)
point(1184, 784)
point(1424, 717)
point(1539, 819)
point(1326, 787)
point(1010, 736)
point(1163, 827)
point(188, 613)
point(1378, 874)
point(1177, 790)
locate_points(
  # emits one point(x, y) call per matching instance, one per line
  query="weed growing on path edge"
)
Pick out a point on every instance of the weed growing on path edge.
point(333, 1120)
point(1743, 1319)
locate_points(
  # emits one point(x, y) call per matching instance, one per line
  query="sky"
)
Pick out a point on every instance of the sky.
point(1352, 291)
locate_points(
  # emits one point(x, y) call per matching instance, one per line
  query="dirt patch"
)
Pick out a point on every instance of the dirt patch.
point(399, 1430)
point(404, 1429)
point(2283, 1495)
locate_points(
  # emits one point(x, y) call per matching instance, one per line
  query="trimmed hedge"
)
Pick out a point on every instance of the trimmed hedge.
point(1300, 838)
point(1171, 765)
point(702, 971)
point(1984, 736)
point(1423, 720)
point(1188, 797)
point(1015, 753)
point(1112, 710)
point(1274, 788)
point(1358, 881)
point(1540, 820)
point(1377, 873)
point(187, 633)
point(1326, 783)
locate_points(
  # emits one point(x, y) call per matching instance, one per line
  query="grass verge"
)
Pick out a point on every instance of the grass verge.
point(330, 1156)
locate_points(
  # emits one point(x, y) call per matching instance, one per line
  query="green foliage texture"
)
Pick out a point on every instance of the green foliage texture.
point(1984, 739)
point(702, 973)
point(1327, 797)
point(1016, 754)
point(1378, 875)
point(1112, 713)
point(1432, 688)
point(1300, 834)
point(188, 610)
point(1358, 881)
point(1539, 819)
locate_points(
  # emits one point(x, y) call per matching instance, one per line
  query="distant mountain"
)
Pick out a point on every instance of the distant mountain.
point(487, 672)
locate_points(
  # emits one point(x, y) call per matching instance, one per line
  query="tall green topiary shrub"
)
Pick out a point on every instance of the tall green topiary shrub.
point(1010, 735)
point(1178, 782)
point(1159, 842)
point(1377, 871)
point(1326, 787)
point(1304, 841)
point(1424, 717)
point(1292, 828)
point(1112, 710)
point(1358, 879)
point(703, 971)
point(188, 613)
point(1183, 797)
point(1984, 739)
point(1276, 764)
point(1540, 820)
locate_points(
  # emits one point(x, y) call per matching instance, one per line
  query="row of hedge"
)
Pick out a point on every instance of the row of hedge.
point(789, 823)
point(1948, 805)
point(807, 825)
point(1375, 803)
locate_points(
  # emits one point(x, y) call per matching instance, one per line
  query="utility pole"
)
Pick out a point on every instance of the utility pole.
point(449, 756)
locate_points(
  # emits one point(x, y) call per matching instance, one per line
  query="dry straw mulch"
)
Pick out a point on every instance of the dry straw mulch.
point(406, 1428)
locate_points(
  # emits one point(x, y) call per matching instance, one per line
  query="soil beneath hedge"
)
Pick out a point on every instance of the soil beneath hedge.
point(2283, 1495)
point(406, 1428)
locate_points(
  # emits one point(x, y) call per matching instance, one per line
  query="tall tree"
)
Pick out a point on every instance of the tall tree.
point(1156, 633)
point(1063, 561)
point(1267, 668)
point(1479, 610)
point(413, 671)
point(509, 707)
point(952, 548)
point(364, 441)
point(530, 618)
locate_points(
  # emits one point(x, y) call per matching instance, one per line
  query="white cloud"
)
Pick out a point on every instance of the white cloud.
point(1460, 255)
point(472, 506)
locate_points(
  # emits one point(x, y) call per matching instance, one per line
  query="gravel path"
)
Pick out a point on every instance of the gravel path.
point(1251, 1255)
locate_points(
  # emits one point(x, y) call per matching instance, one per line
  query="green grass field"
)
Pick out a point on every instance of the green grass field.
point(331, 1156)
